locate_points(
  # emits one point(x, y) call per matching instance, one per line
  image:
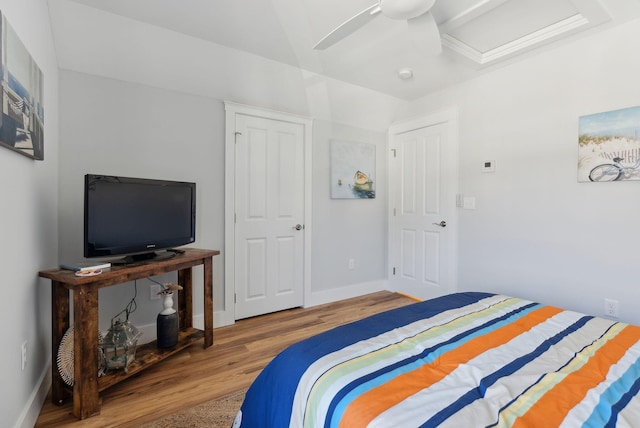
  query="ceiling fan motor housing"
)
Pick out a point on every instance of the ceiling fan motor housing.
point(405, 9)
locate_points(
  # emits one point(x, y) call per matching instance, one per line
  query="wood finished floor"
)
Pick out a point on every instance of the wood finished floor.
point(197, 375)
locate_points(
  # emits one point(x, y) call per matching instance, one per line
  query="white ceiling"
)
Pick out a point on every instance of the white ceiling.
point(477, 35)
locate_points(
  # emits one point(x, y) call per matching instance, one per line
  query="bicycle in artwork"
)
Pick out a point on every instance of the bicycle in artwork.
point(614, 171)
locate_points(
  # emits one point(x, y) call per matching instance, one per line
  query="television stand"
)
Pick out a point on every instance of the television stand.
point(144, 257)
point(87, 385)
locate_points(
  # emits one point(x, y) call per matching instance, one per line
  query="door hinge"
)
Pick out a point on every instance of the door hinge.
point(394, 152)
point(235, 298)
point(394, 271)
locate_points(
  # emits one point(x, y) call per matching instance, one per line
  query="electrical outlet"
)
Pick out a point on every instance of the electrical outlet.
point(23, 351)
point(611, 308)
point(352, 264)
point(154, 289)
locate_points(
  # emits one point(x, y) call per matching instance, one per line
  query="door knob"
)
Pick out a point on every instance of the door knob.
point(298, 227)
point(441, 224)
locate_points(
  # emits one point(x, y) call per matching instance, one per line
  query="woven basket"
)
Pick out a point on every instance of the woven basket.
point(66, 361)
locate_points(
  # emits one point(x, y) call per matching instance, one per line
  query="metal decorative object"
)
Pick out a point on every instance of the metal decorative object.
point(119, 345)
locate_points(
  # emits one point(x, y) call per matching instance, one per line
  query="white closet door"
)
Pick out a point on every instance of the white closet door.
point(421, 230)
point(269, 215)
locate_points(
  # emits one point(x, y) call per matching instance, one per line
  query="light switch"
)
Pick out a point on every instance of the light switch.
point(469, 203)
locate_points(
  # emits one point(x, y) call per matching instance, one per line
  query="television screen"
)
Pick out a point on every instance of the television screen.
point(136, 216)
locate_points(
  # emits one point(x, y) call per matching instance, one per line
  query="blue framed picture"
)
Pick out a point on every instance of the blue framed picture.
point(22, 120)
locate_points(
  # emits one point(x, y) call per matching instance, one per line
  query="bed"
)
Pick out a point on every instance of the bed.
point(462, 360)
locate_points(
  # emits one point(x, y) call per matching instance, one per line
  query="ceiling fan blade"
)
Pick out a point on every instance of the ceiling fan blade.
point(348, 27)
point(425, 34)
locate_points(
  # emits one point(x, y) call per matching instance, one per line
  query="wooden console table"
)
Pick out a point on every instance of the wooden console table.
point(87, 385)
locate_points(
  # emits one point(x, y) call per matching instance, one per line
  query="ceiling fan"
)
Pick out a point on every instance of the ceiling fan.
point(422, 26)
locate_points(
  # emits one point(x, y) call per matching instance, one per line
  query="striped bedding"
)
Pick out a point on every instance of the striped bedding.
point(463, 360)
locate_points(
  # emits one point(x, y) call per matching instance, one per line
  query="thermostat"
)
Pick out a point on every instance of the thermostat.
point(489, 166)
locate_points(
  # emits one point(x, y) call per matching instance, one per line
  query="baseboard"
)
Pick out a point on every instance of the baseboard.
point(227, 317)
point(347, 292)
point(220, 319)
point(32, 409)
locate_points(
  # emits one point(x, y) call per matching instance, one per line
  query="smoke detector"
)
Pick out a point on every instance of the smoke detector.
point(405, 73)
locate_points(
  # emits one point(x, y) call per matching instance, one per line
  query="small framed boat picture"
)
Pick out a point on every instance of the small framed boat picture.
point(353, 170)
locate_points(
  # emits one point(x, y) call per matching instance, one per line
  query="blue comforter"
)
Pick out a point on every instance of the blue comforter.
point(467, 359)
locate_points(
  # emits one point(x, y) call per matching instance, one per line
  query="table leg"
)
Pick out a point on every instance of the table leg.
point(208, 302)
point(86, 400)
point(185, 298)
point(59, 325)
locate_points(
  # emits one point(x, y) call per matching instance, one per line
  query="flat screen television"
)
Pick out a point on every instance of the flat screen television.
point(137, 217)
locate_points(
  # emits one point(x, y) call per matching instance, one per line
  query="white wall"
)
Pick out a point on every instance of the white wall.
point(28, 216)
point(537, 232)
point(346, 229)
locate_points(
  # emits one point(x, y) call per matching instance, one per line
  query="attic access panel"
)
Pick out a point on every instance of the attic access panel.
point(498, 29)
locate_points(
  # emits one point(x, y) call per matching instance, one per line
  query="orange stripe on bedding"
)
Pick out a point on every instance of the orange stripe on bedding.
point(370, 404)
point(552, 408)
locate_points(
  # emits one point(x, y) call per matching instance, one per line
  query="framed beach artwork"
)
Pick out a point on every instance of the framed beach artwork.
point(22, 121)
point(609, 146)
point(353, 170)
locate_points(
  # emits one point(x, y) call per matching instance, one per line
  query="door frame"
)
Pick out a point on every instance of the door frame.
point(449, 118)
point(227, 317)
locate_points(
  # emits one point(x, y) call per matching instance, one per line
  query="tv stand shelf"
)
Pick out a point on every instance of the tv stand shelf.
point(87, 384)
point(149, 354)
